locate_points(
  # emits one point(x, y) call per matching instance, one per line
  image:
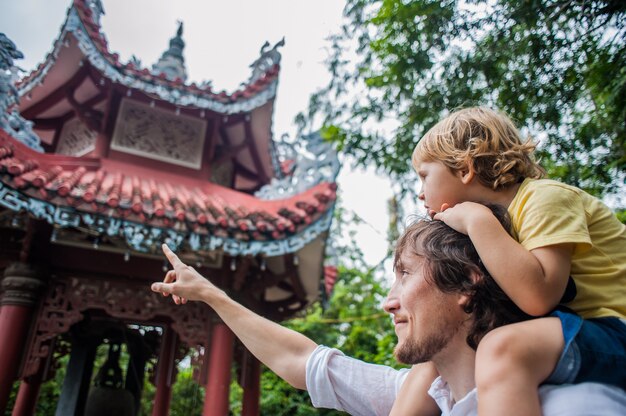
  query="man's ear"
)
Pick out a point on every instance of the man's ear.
point(466, 174)
point(464, 299)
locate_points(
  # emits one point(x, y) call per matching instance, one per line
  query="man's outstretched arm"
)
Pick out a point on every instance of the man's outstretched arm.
point(284, 351)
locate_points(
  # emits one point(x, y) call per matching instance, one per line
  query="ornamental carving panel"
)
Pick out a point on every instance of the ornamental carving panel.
point(76, 139)
point(68, 298)
point(158, 134)
point(55, 317)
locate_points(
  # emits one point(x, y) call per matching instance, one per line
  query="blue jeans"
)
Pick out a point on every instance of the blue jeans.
point(595, 350)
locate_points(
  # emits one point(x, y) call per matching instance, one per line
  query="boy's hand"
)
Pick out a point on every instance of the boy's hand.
point(183, 283)
point(461, 216)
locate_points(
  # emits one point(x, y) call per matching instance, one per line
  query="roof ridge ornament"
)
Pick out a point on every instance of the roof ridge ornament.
point(267, 60)
point(13, 123)
point(314, 162)
point(172, 62)
point(97, 10)
point(92, 45)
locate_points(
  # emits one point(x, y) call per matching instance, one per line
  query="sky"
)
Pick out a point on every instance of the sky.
point(222, 39)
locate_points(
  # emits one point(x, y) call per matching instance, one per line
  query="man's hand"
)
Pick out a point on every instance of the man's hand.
point(461, 216)
point(284, 351)
point(184, 282)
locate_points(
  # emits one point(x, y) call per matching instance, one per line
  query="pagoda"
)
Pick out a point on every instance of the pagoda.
point(101, 162)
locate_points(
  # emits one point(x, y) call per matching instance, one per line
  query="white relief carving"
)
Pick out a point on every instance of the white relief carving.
point(158, 134)
point(76, 139)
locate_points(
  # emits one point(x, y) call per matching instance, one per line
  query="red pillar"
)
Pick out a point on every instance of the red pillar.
point(165, 373)
point(26, 400)
point(216, 399)
point(21, 287)
point(251, 386)
point(14, 326)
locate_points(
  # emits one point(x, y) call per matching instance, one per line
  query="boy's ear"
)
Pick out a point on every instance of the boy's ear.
point(466, 175)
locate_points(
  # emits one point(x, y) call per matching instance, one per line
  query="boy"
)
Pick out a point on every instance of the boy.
point(477, 154)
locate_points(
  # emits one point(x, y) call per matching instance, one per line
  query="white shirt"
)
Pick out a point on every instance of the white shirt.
point(335, 381)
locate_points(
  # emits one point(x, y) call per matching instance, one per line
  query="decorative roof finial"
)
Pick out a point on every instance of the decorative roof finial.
point(172, 62)
point(315, 161)
point(97, 11)
point(12, 122)
point(267, 60)
point(8, 52)
point(8, 74)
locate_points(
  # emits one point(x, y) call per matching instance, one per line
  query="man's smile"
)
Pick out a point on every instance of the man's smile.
point(399, 322)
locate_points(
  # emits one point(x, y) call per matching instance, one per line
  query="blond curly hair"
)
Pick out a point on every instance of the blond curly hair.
point(484, 140)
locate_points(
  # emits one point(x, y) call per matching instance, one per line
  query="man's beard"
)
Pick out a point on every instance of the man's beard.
point(414, 352)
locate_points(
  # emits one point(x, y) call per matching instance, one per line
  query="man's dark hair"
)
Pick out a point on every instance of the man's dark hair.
point(450, 258)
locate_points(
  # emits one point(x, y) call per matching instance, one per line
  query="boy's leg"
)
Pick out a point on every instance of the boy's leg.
point(413, 398)
point(599, 354)
point(512, 361)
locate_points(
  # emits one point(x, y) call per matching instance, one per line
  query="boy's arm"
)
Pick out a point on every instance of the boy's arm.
point(413, 398)
point(284, 351)
point(535, 280)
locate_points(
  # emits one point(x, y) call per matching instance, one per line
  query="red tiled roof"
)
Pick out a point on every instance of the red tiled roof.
point(99, 40)
point(202, 207)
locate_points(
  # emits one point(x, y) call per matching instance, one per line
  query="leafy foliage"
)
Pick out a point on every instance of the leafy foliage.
point(48, 394)
point(187, 395)
point(351, 320)
point(558, 67)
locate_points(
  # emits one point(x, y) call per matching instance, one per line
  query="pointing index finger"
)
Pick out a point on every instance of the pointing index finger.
point(172, 257)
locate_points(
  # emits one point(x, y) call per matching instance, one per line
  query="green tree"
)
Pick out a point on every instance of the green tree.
point(351, 320)
point(187, 395)
point(558, 67)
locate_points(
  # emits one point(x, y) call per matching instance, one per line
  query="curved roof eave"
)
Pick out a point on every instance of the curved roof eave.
point(58, 189)
point(258, 91)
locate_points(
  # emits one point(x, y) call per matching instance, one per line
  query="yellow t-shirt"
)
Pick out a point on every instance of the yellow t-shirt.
point(545, 212)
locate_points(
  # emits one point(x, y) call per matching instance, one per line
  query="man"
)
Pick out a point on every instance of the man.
point(443, 301)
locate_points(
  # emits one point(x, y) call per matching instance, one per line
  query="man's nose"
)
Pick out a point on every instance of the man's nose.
point(392, 303)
